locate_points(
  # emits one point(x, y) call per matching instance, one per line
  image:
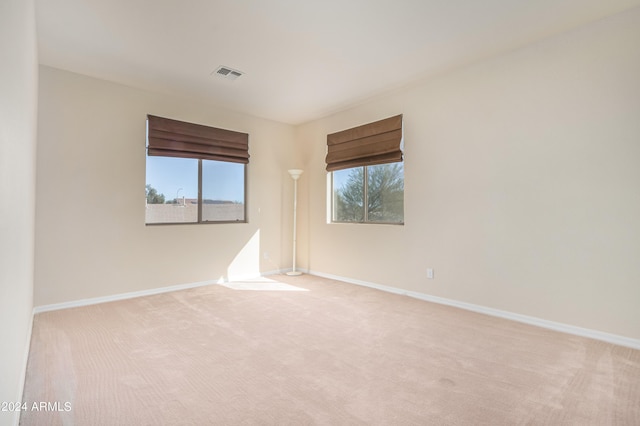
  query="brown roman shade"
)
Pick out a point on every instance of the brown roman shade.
point(373, 143)
point(173, 138)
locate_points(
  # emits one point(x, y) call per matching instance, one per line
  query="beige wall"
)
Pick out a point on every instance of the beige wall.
point(18, 108)
point(91, 238)
point(522, 184)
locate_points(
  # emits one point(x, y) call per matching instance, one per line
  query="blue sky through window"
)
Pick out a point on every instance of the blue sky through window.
point(173, 177)
point(178, 177)
point(340, 177)
point(222, 181)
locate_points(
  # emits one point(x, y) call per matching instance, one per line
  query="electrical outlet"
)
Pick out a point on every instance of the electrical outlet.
point(430, 273)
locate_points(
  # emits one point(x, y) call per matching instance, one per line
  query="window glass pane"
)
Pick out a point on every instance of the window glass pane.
point(348, 195)
point(385, 193)
point(222, 191)
point(171, 190)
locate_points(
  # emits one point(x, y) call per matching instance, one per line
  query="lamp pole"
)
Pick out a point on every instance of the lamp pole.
point(295, 175)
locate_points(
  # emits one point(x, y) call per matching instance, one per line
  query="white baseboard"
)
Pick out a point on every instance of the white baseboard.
point(149, 292)
point(551, 325)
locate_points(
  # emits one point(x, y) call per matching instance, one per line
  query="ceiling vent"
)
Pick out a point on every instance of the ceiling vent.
point(228, 73)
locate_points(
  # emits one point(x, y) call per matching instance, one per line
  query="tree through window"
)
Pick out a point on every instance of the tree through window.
point(372, 194)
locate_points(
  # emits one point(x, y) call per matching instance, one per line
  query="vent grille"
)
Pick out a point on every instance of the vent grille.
point(228, 73)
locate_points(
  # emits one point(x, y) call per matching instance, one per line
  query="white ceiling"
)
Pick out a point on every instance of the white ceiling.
point(302, 59)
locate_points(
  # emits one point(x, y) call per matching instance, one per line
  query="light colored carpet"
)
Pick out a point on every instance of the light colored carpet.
point(307, 350)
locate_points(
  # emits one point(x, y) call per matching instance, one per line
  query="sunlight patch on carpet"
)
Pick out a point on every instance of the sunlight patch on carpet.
point(261, 284)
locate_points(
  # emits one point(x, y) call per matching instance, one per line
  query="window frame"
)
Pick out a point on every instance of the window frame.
point(365, 196)
point(199, 220)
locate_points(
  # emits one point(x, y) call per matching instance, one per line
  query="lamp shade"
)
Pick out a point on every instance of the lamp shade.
point(295, 173)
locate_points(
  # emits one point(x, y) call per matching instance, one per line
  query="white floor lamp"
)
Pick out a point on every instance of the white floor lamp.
point(295, 174)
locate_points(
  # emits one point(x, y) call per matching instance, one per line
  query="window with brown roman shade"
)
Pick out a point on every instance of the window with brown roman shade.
point(173, 138)
point(194, 173)
point(374, 143)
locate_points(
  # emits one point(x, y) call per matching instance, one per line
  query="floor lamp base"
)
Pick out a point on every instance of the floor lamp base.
point(294, 273)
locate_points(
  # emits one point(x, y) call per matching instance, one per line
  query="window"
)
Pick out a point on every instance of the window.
point(222, 191)
point(195, 174)
point(172, 190)
point(373, 194)
point(367, 173)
